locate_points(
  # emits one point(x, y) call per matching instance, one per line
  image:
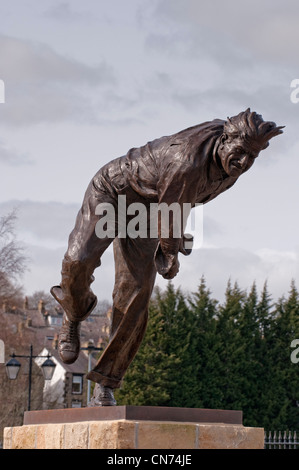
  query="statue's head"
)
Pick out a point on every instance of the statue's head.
point(244, 136)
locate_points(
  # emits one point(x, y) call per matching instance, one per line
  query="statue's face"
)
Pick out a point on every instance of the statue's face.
point(236, 157)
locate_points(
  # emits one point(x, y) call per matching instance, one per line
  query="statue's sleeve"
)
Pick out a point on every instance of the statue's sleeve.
point(177, 186)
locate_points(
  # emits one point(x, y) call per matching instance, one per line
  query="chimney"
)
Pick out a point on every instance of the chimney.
point(41, 307)
point(55, 342)
point(21, 325)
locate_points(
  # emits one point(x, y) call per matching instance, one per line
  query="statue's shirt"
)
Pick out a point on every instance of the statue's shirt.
point(170, 169)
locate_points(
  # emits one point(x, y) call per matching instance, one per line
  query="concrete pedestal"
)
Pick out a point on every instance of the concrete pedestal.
point(133, 428)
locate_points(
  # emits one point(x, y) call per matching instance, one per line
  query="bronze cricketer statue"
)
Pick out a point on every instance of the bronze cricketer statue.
point(192, 166)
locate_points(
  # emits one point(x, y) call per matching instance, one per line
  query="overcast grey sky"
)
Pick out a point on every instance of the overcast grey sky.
point(86, 81)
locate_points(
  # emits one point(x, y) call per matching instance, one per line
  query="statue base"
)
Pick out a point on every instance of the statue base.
point(133, 427)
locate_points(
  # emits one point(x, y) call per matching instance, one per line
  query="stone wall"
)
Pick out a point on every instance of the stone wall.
point(125, 434)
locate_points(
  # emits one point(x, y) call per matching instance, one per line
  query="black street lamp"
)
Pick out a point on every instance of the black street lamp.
point(13, 367)
point(48, 368)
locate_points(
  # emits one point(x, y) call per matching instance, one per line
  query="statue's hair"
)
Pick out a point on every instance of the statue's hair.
point(251, 127)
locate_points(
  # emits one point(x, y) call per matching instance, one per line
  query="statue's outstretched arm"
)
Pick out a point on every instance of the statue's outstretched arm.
point(176, 188)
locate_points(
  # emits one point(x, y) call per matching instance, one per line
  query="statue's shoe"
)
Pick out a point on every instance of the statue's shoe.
point(69, 341)
point(102, 396)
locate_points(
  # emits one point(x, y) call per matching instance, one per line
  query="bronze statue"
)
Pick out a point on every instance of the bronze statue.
point(193, 166)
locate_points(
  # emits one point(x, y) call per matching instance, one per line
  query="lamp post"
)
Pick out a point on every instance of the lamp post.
point(13, 366)
point(91, 348)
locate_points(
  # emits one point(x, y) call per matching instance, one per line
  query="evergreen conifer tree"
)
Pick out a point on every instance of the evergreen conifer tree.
point(233, 351)
point(207, 346)
point(147, 381)
point(284, 412)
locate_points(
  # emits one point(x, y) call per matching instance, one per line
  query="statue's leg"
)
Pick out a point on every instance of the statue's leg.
point(135, 274)
point(83, 256)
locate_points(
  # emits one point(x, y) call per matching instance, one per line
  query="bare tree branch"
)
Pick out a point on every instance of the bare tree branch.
point(12, 258)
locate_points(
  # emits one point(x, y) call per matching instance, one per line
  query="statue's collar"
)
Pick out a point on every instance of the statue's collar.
point(216, 170)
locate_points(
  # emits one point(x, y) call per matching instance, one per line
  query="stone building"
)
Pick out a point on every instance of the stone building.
point(68, 387)
point(23, 327)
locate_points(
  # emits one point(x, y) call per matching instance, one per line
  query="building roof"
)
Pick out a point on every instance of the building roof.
point(41, 335)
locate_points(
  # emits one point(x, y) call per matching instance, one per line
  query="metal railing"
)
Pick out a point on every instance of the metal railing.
point(281, 440)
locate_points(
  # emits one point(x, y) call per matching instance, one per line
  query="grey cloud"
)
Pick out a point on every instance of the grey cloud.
point(218, 77)
point(63, 11)
point(45, 266)
point(267, 29)
point(44, 228)
point(44, 86)
point(229, 55)
point(211, 227)
point(273, 100)
point(43, 222)
point(11, 157)
point(30, 104)
point(199, 46)
point(26, 61)
point(219, 265)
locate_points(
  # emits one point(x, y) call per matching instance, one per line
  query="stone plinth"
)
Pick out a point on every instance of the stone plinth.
point(133, 428)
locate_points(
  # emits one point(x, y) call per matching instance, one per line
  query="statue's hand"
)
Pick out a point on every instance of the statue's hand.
point(186, 244)
point(174, 267)
point(167, 264)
